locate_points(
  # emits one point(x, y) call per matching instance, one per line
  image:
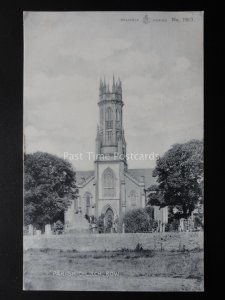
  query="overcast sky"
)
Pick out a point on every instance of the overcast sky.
point(160, 65)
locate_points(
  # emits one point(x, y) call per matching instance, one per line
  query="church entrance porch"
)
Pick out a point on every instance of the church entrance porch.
point(108, 220)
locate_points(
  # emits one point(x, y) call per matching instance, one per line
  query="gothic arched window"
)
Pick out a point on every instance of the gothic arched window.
point(117, 115)
point(101, 115)
point(109, 183)
point(109, 122)
point(133, 198)
point(87, 197)
point(109, 136)
point(117, 135)
point(109, 114)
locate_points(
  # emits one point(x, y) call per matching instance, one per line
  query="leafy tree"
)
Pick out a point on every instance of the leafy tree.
point(49, 183)
point(155, 196)
point(137, 220)
point(179, 173)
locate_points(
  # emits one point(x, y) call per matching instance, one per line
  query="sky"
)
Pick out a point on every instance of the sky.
point(160, 64)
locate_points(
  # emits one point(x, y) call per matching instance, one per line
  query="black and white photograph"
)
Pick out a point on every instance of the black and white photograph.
point(113, 169)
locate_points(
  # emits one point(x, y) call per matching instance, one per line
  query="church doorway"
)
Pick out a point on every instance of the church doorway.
point(109, 217)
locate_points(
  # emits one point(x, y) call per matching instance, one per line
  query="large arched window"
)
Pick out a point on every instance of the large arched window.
point(133, 198)
point(109, 183)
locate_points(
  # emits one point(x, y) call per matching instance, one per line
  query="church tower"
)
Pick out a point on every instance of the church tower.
point(111, 163)
point(110, 133)
point(111, 190)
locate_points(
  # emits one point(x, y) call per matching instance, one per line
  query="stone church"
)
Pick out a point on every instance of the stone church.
point(111, 188)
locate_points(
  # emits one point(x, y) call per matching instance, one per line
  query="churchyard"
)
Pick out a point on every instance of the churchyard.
point(157, 247)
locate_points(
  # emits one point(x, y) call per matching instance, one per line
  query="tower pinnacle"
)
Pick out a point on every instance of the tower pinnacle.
point(113, 85)
point(115, 88)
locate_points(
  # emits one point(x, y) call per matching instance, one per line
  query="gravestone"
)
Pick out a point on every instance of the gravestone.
point(48, 230)
point(94, 228)
point(182, 224)
point(30, 229)
point(38, 232)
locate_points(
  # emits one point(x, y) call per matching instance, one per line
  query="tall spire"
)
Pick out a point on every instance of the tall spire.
point(119, 85)
point(104, 86)
point(113, 85)
point(100, 86)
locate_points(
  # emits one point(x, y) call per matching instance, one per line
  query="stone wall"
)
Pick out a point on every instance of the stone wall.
point(96, 242)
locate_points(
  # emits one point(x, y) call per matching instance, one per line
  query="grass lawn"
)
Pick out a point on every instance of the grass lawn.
point(48, 269)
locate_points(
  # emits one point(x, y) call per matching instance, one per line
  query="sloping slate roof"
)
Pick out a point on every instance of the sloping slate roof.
point(147, 173)
point(83, 174)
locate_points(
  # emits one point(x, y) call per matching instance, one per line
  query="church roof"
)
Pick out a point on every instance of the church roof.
point(147, 173)
point(82, 176)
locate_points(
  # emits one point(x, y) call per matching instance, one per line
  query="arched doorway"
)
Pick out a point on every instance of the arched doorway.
point(109, 218)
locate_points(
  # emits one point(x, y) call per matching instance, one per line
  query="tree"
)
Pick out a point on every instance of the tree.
point(180, 172)
point(49, 184)
point(155, 196)
point(150, 211)
point(137, 220)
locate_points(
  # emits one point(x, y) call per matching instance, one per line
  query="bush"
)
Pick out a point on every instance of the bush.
point(198, 222)
point(139, 247)
point(137, 220)
point(58, 227)
point(154, 225)
point(150, 211)
point(168, 227)
point(100, 223)
point(93, 219)
point(175, 225)
point(87, 218)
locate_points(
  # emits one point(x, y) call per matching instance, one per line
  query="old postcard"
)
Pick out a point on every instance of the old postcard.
point(113, 151)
